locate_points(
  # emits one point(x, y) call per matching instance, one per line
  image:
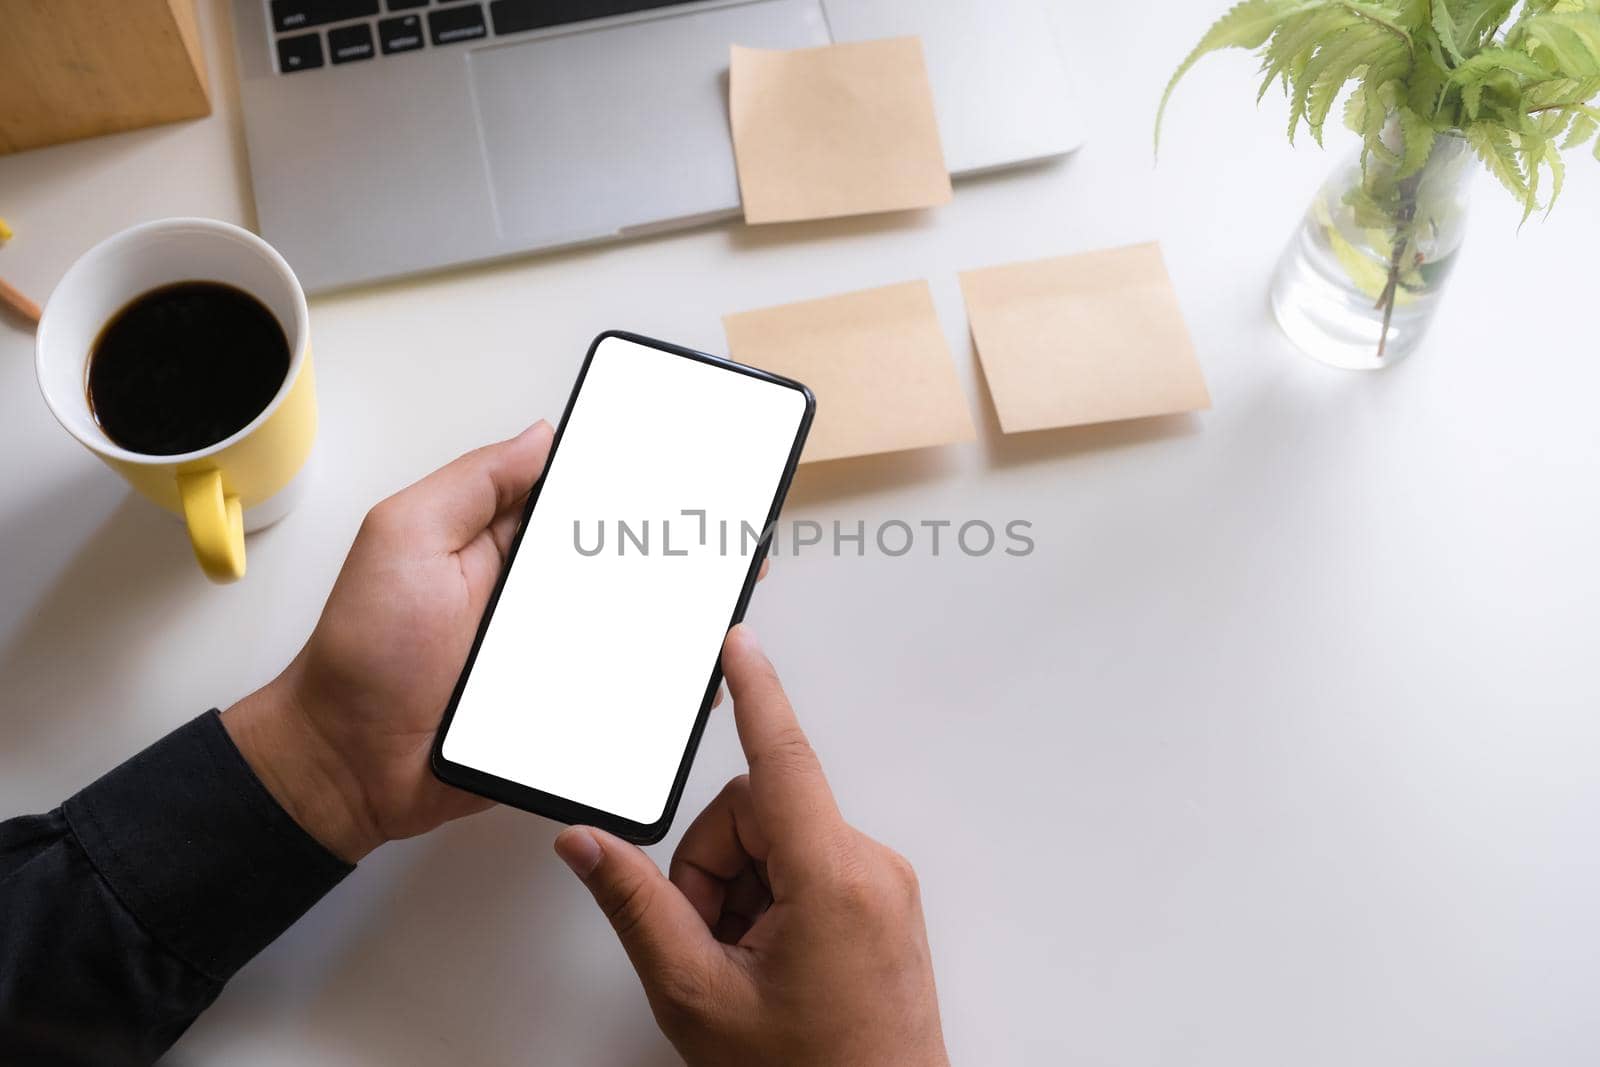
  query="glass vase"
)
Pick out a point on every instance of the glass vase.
point(1361, 280)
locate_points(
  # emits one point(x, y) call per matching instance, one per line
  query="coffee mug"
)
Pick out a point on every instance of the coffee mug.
point(247, 480)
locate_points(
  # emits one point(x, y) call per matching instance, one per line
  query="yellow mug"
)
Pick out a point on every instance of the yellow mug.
point(240, 484)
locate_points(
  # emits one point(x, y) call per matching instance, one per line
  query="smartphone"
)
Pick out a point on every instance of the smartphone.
point(595, 665)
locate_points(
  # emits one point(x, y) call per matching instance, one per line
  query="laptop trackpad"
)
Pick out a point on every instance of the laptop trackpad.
point(592, 132)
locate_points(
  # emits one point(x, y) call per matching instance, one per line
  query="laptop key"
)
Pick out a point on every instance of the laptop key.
point(406, 5)
point(299, 53)
point(300, 14)
point(400, 35)
point(514, 16)
point(346, 44)
point(453, 24)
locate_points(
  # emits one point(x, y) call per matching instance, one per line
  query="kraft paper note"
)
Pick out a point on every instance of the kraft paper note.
point(1083, 339)
point(877, 361)
point(846, 129)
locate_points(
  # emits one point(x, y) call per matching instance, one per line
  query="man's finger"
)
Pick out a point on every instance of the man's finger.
point(462, 498)
point(504, 527)
point(718, 846)
point(658, 927)
point(790, 794)
point(761, 576)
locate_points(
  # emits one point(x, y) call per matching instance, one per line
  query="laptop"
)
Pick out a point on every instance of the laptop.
point(391, 137)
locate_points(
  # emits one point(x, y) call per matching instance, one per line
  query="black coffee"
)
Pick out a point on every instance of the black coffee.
point(185, 366)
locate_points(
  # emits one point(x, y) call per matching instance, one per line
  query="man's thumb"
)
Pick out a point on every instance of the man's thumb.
point(657, 925)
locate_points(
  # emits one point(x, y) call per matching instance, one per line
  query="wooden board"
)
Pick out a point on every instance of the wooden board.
point(81, 68)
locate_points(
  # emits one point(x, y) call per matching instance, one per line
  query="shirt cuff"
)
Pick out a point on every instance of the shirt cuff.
point(198, 851)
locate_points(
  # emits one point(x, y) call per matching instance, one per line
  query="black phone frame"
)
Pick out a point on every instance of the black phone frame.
point(560, 808)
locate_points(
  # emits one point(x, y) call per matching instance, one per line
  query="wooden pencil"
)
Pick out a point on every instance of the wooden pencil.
point(19, 304)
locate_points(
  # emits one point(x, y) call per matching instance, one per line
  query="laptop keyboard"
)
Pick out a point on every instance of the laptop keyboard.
point(353, 25)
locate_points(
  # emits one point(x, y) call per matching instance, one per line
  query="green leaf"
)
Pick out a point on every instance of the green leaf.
point(1479, 68)
point(1583, 127)
point(1246, 25)
point(1560, 92)
point(1558, 173)
point(1291, 48)
point(1568, 41)
point(1493, 145)
point(1531, 150)
point(1335, 64)
point(1445, 28)
point(1479, 19)
point(1417, 137)
point(1519, 79)
point(1425, 85)
point(1378, 16)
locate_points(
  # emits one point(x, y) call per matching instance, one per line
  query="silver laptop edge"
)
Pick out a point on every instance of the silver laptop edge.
point(454, 153)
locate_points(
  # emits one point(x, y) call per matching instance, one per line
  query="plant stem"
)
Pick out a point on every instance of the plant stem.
point(1567, 106)
point(1405, 215)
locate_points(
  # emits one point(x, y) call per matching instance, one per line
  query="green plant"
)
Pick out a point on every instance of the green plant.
point(1515, 79)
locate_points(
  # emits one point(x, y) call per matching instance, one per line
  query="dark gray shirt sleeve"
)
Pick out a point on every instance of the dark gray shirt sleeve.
point(124, 911)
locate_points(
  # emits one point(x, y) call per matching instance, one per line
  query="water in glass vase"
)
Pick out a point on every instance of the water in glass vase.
point(1362, 277)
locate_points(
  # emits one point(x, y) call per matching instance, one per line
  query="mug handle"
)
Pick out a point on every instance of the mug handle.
point(216, 524)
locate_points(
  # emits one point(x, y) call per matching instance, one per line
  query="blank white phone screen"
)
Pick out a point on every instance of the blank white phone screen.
point(595, 664)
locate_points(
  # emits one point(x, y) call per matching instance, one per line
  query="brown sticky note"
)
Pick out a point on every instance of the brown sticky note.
point(877, 361)
point(1081, 339)
point(846, 129)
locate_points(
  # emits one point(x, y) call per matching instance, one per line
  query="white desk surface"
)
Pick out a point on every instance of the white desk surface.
point(1283, 747)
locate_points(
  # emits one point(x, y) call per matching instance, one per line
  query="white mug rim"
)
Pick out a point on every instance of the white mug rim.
point(299, 344)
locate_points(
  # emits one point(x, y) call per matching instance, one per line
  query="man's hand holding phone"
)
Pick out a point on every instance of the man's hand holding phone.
point(783, 935)
point(341, 737)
